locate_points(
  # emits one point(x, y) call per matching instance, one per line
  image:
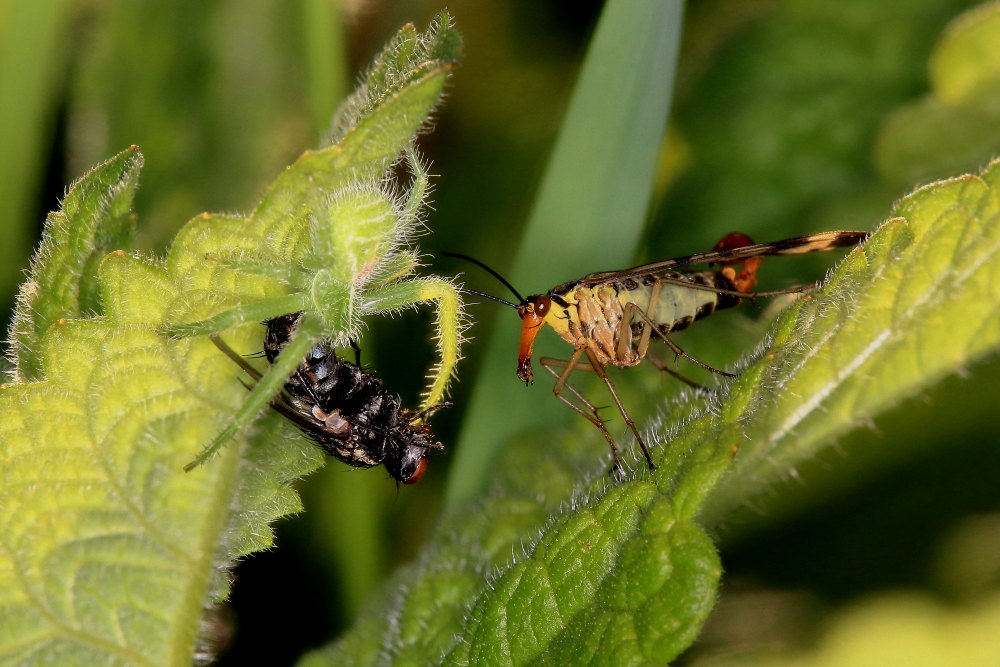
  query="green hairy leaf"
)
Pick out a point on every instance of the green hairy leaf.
point(96, 217)
point(111, 551)
point(624, 570)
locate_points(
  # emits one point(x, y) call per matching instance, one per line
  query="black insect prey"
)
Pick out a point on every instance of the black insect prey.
point(346, 410)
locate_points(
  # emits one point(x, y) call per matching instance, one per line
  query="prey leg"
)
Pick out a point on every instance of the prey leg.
point(278, 403)
point(231, 353)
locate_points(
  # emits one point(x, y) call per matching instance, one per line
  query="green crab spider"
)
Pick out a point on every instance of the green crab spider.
point(337, 283)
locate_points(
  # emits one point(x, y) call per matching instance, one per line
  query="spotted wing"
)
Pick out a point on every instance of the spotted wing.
point(792, 246)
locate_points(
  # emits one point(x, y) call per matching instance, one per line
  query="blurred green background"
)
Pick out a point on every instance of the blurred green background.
point(789, 118)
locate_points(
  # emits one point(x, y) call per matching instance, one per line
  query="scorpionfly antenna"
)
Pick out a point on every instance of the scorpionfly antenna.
point(521, 300)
